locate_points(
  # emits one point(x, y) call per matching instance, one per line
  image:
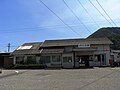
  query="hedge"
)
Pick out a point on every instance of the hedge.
point(28, 66)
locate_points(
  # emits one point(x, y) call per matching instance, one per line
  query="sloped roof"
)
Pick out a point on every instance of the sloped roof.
point(71, 42)
point(52, 51)
point(35, 45)
point(33, 50)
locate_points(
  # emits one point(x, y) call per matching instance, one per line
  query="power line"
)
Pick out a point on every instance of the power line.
point(50, 26)
point(106, 13)
point(100, 13)
point(89, 15)
point(39, 28)
point(59, 18)
point(77, 17)
point(25, 29)
point(87, 12)
point(34, 29)
point(9, 47)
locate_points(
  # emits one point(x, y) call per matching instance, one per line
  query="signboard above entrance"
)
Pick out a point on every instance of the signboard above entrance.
point(83, 45)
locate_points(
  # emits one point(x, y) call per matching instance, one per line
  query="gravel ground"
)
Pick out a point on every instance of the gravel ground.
point(64, 79)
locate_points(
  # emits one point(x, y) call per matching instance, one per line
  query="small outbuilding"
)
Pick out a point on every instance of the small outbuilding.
point(6, 59)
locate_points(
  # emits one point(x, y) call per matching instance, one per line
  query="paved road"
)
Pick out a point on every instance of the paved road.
point(65, 79)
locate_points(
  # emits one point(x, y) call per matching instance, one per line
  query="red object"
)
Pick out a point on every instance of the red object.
point(110, 61)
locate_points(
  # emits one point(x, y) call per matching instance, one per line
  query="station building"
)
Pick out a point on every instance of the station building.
point(65, 53)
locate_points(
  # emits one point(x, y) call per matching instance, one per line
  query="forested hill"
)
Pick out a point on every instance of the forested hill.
point(113, 33)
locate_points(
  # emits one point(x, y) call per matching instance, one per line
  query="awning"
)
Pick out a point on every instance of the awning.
point(53, 51)
point(84, 49)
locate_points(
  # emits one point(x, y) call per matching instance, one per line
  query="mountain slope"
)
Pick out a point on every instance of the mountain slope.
point(113, 33)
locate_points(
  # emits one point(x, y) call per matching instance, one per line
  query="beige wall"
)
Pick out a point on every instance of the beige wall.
point(101, 50)
point(101, 47)
point(68, 49)
point(116, 56)
point(68, 64)
point(104, 49)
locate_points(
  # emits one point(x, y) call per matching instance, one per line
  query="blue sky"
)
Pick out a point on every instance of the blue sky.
point(30, 21)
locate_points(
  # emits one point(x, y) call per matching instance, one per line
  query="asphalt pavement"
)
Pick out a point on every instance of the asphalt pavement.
point(64, 79)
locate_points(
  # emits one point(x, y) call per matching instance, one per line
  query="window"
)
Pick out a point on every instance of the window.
point(20, 60)
point(67, 59)
point(90, 58)
point(31, 60)
point(55, 58)
point(45, 59)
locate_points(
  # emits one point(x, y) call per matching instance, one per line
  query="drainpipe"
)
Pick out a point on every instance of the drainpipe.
point(101, 60)
point(14, 60)
point(61, 60)
point(94, 63)
point(74, 59)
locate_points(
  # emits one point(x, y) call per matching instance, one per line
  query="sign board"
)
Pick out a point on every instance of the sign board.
point(83, 45)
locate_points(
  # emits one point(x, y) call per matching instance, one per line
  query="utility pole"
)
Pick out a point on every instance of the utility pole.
point(9, 47)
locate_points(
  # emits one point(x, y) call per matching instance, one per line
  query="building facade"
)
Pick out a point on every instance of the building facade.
point(6, 59)
point(115, 55)
point(66, 53)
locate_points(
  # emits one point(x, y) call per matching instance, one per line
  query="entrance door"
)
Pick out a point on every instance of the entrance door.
point(67, 62)
point(56, 61)
point(84, 61)
point(1, 61)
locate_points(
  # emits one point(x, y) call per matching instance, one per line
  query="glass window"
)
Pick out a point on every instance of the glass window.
point(67, 59)
point(45, 59)
point(55, 58)
point(20, 60)
point(97, 58)
point(31, 60)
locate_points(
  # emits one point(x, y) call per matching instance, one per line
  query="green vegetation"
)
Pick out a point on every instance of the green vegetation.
point(28, 66)
point(113, 33)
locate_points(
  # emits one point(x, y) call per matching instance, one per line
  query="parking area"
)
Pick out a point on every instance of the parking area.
point(64, 79)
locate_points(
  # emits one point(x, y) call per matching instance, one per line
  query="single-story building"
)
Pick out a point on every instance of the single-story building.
point(65, 53)
point(6, 59)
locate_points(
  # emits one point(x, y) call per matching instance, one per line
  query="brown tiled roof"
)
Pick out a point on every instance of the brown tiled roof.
point(33, 50)
point(52, 43)
point(71, 42)
point(52, 51)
